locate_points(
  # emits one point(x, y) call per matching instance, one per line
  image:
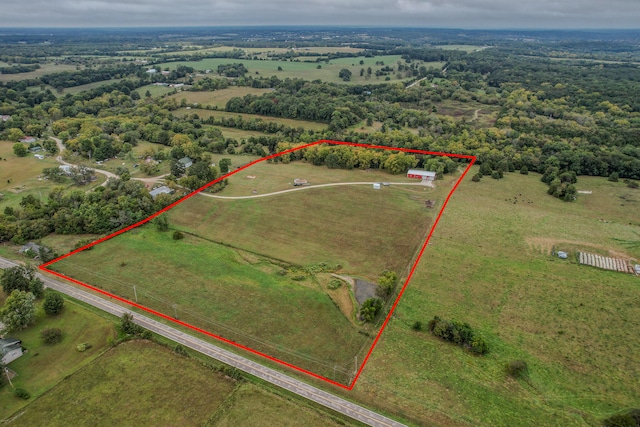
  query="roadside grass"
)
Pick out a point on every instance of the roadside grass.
point(251, 405)
point(241, 296)
point(19, 176)
point(307, 70)
point(576, 327)
point(204, 114)
point(217, 98)
point(43, 366)
point(136, 383)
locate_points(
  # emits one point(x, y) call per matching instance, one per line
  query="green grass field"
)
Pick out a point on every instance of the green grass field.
point(136, 383)
point(44, 366)
point(489, 264)
point(154, 90)
point(241, 296)
point(218, 98)
point(223, 114)
point(19, 176)
point(254, 406)
point(44, 69)
point(306, 70)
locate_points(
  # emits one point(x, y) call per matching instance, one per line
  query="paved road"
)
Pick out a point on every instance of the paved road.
point(274, 377)
point(307, 187)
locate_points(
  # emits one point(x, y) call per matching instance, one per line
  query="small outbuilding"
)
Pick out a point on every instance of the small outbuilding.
point(10, 349)
point(422, 175)
point(376, 186)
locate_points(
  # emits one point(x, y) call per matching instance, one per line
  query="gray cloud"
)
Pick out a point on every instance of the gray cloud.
point(421, 13)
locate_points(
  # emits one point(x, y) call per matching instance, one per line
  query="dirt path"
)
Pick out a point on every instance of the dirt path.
point(147, 181)
point(475, 115)
point(308, 187)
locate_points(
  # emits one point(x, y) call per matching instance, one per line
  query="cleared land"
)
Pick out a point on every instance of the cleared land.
point(256, 293)
point(144, 385)
point(44, 69)
point(154, 90)
point(268, 119)
point(577, 327)
point(43, 366)
point(19, 176)
point(307, 70)
point(218, 98)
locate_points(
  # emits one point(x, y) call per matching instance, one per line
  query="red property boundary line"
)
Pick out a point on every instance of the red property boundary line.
point(472, 159)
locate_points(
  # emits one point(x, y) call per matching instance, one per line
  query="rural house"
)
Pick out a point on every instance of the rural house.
point(420, 174)
point(10, 349)
point(186, 162)
point(160, 190)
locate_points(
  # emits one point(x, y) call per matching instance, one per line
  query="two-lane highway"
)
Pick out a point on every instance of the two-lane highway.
point(298, 387)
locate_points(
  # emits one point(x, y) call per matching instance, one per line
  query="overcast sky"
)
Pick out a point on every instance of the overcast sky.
point(415, 13)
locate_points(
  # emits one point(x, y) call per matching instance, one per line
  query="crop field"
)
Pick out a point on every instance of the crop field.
point(489, 264)
point(44, 366)
point(133, 378)
point(305, 124)
point(239, 272)
point(306, 70)
point(217, 98)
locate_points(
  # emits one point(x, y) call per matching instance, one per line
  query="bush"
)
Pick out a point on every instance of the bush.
point(631, 184)
point(417, 326)
point(518, 369)
point(53, 303)
point(83, 347)
point(614, 177)
point(178, 235)
point(524, 170)
point(335, 284)
point(370, 309)
point(51, 336)
point(629, 418)
point(476, 177)
point(179, 349)
point(458, 333)
point(496, 174)
point(22, 393)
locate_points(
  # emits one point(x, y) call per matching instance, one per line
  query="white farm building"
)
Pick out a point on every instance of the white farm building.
point(420, 174)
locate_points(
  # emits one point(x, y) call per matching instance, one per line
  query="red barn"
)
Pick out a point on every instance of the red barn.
point(420, 174)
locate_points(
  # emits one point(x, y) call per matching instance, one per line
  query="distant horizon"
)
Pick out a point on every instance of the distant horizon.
point(450, 14)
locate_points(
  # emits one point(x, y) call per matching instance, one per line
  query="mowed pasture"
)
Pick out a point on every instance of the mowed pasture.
point(217, 98)
point(238, 295)
point(362, 229)
point(136, 383)
point(204, 114)
point(576, 327)
point(19, 176)
point(44, 366)
point(307, 70)
point(48, 68)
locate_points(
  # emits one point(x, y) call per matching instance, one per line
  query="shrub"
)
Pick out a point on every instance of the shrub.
point(83, 347)
point(22, 393)
point(631, 183)
point(53, 303)
point(179, 349)
point(458, 333)
point(335, 284)
point(370, 309)
point(518, 369)
point(51, 336)
point(614, 177)
point(524, 170)
point(476, 177)
point(628, 418)
point(417, 326)
point(496, 175)
point(178, 235)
